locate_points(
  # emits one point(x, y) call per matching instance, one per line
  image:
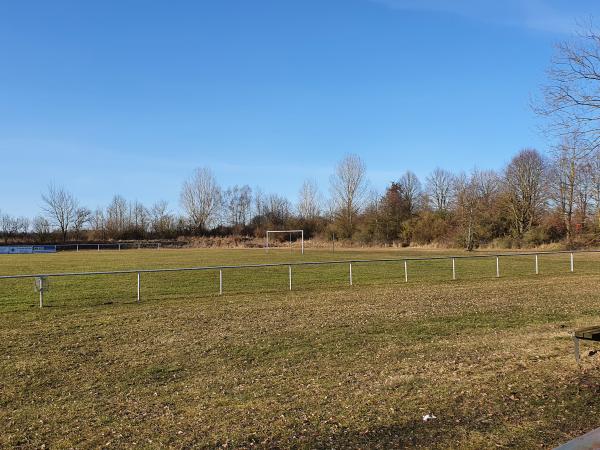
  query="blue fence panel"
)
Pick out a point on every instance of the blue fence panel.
point(26, 249)
point(12, 250)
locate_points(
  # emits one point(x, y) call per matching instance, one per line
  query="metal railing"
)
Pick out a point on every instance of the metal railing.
point(41, 278)
point(108, 246)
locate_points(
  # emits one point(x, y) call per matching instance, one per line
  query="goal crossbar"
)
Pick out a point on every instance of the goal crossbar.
point(287, 232)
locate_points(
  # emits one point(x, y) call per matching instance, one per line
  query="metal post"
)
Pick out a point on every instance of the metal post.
point(405, 271)
point(290, 272)
point(221, 282)
point(267, 242)
point(41, 297)
point(572, 262)
point(537, 267)
point(350, 274)
point(302, 242)
point(497, 267)
point(138, 287)
point(158, 246)
point(453, 269)
point(98, 247)
point(77, 247)
point(119, 246)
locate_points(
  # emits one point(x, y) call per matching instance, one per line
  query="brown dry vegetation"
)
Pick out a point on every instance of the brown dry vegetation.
point(336, 367)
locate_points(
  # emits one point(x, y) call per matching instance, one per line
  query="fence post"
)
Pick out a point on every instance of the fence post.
point(497, 267)
point(98, 247)
point(405, 272)
point(453, 269)
point(220, 281)
point(572, 262)
point(537, 267)
point(290, 272)
point(138, 287)
point(350, 274)
point(77, 247)
point(119, 246)
point(41, 298)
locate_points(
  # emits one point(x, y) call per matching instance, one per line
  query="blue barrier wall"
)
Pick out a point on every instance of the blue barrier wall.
point(26, 249)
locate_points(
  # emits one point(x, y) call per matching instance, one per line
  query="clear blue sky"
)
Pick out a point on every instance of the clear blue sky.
point(129, 97)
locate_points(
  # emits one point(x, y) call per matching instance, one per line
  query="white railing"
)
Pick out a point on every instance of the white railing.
point(41, 278)
point(108, 246)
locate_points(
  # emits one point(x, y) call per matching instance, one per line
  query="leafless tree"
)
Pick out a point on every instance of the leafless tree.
point(410, 188)
point(201, 198)
point(475, 195)
point(116, 216)
point(82, 216)
point(41, 228)
point(98, 222)
point(276, 210)
point(309, 201)
point(568, 160)
point(571, 97)
point(60, 207)
point(237, 201)
point(161, 220)
point(138, 219)
point(595, 181)
point(524, 184)
point(439, 189)
point(7, 227)
point(348, 190)
point(584, 193)
point(467, 207)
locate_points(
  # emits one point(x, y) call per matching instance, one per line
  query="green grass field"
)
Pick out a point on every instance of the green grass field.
point(326, 365)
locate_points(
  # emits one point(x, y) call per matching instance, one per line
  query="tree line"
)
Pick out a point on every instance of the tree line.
point(537, 198)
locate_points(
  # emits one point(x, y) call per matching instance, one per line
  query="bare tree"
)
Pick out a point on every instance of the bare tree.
point(138, 219)
point(201, 198)
point(98, 221)
point(161, 220)
point(8, 227)
point(82, 216)
point(276, 210)
point(116, 217)
point(237, 201)
point(475, 198)
point(524, 183)
point(309, 202)
point(595, 181)
point(41, 228)
point(569, 159)
point(410, 189)
point(60, 206)
point(583, 193)
point(571, 98)
point(348, 189)
point(439, 189)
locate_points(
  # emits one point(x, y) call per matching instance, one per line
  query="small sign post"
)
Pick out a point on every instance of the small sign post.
point(41, 286)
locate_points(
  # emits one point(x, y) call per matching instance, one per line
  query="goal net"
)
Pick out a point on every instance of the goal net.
point(289, 233)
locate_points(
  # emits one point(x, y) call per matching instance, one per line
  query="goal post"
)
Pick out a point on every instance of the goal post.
point(290, 232)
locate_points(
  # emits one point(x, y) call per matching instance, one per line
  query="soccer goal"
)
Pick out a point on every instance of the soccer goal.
point(290, 232)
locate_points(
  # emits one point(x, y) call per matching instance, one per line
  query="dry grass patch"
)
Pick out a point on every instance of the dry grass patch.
point(492, 359)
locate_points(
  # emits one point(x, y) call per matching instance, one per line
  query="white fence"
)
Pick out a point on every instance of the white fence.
point(108, 246)
point(42, 278)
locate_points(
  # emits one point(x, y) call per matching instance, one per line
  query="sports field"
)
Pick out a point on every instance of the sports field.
point(325, 365)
